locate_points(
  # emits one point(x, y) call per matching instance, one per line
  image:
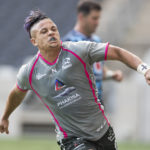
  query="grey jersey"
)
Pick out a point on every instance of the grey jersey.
point(67, 88)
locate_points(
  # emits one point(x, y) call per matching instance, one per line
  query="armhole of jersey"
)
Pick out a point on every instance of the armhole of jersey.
point(22, 90)
point(106, 50)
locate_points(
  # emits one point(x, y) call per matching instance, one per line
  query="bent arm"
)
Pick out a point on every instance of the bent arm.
point(131, 60)
point(117, 53)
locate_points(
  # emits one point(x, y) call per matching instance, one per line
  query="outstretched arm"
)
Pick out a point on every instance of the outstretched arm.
point(131, 60)
point(14, 99)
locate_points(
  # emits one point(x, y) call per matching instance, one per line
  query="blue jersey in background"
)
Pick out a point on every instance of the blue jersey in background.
point(76, 36)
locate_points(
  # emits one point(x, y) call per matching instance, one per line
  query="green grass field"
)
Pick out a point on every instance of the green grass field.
point(50, 144)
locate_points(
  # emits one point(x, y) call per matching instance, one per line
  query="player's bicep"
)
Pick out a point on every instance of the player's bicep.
point(16, 96)
point(114, 53)
point(19, 93)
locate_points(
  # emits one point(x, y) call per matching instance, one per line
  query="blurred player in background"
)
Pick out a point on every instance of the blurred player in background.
point(60, 74)
point(88, 15)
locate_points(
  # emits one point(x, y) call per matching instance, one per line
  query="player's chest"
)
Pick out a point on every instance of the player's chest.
point(46, 79)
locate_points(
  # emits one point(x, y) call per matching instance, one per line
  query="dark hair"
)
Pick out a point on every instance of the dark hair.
point(85, 6)
point(34, 17)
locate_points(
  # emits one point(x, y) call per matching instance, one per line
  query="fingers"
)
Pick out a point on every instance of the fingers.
point(4, 127)
point(1, 129)
point(148, 81)
point(118, 76)
point(147, 77)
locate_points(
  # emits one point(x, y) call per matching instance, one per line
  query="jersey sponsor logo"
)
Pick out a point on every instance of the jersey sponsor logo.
point(66, 63)
point(69, 100)
point(66, 97)
point(59, 85)
point(54, 70)
point(40, 76)
point(66, 92)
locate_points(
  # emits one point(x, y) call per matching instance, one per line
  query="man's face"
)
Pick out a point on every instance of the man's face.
point(91, 21)
point(45, 34)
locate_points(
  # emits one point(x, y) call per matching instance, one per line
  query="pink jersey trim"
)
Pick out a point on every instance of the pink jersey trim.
point(20, 88)
point(30, 81)
point(90, 82)
point(106, 51)
point(48, 61)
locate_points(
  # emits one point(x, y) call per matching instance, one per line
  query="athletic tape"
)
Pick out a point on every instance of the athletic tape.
point(143, 68)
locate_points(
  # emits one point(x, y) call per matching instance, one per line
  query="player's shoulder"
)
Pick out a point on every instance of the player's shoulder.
point(76, 45)
point(80, 48)
point(26, 67)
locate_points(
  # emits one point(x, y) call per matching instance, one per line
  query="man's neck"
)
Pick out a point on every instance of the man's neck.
point(81, 30)
point(51, 54)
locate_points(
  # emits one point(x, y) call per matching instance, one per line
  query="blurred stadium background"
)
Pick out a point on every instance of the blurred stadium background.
point(124, 23)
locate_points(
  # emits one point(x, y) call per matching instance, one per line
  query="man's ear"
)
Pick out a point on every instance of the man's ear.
point(33, 41)
point(81, 16)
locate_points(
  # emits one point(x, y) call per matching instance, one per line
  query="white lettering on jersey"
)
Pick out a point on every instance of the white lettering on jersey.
point(54, 70)
point(40, 76)
point(66, 63)
point(69, 100)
